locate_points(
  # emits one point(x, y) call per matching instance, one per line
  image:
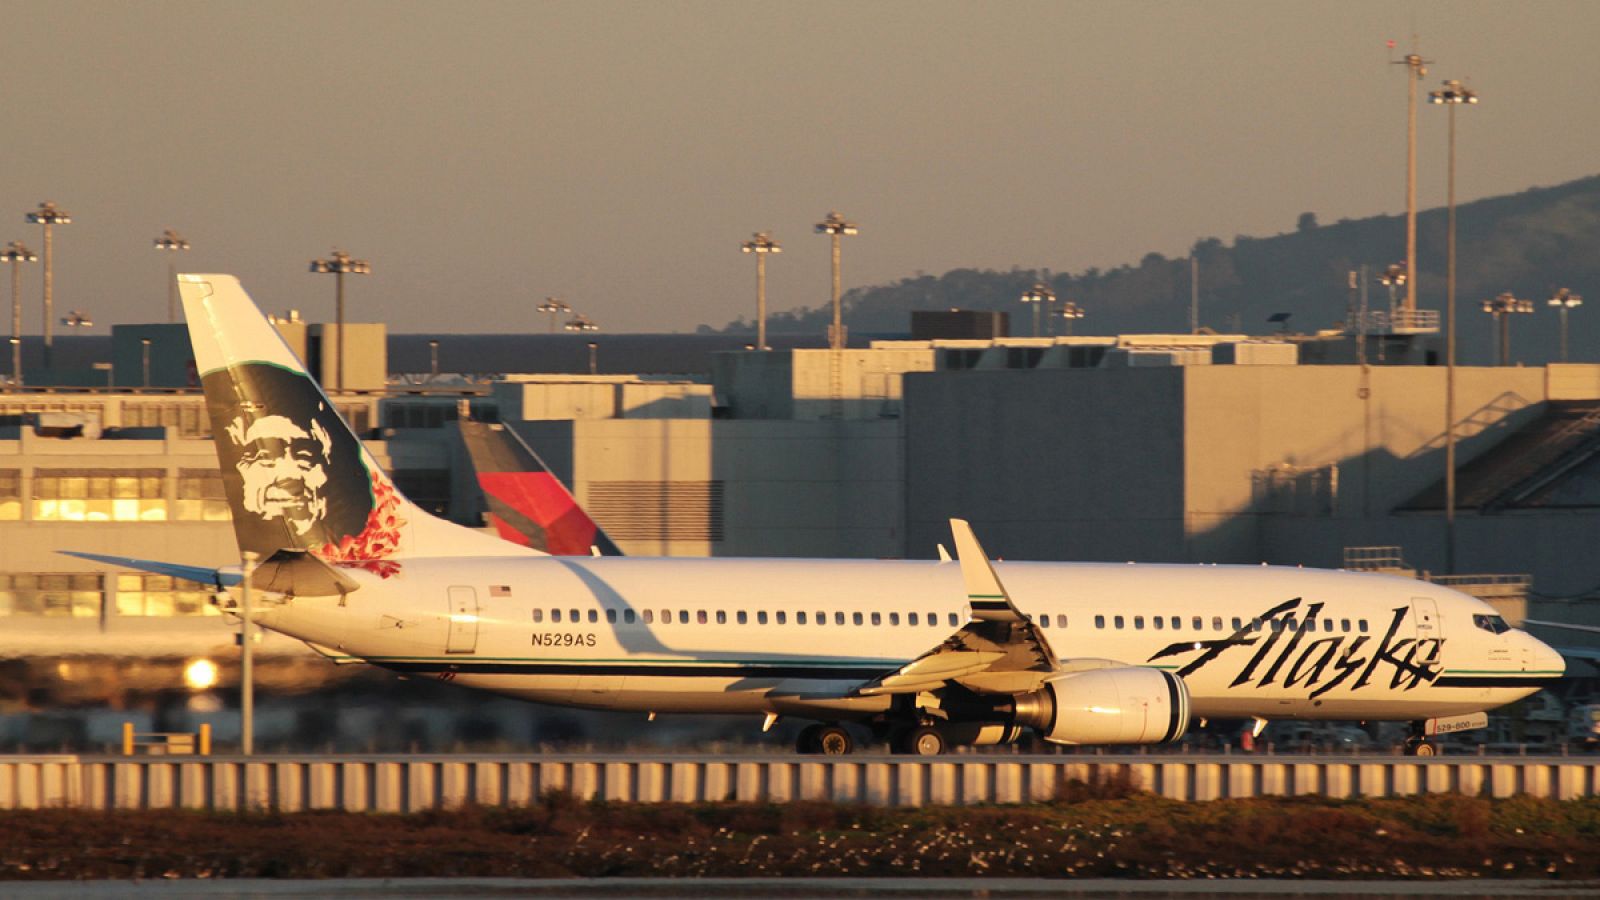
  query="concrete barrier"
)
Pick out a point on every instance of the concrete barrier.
point(403, 784)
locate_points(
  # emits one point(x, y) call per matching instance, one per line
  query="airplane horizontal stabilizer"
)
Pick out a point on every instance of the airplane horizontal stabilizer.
point(200, 574)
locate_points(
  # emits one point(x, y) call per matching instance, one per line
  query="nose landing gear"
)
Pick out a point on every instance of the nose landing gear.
point(1417, 744)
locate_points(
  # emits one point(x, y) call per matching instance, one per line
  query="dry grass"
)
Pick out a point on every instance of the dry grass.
point(1096, 831)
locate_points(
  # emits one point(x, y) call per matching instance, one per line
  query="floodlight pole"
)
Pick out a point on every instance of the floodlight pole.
point(1416, 69)
point(1451, 96)
point(171, 242)
point(836, 226)
point(1038, 296)
point(1564, 301)
point(340, 264)
point(16, 253)
point(760, 245)
point(553, 307)
point(48, 216)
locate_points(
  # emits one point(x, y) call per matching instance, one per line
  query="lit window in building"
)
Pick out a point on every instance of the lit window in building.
point(188, 418)
point(162, 595)
point(78, 596)
point(200, 496)
point(10, 495)
point(98, 495)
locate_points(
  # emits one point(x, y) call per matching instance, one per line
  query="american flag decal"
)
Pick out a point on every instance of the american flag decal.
point(500, 590)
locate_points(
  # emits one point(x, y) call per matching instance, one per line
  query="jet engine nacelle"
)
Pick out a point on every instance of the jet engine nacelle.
point(1120, 705)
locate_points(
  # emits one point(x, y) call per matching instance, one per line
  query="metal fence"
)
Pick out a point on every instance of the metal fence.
point(401, 784)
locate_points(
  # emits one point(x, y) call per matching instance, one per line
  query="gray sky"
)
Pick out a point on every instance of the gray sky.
point(483, 155)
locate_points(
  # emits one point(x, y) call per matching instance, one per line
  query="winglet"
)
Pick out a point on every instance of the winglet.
point(984, 590)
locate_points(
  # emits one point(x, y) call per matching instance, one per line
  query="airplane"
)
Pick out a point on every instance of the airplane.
point(926, 655)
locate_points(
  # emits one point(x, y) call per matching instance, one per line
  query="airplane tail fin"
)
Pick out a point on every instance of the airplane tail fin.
point(296, 476)
point(526, 503)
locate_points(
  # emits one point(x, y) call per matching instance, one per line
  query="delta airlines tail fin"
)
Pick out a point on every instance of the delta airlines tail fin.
point(527, 504)
point(295, 475)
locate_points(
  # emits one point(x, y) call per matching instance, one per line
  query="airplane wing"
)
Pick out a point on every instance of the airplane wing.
point(998, 650)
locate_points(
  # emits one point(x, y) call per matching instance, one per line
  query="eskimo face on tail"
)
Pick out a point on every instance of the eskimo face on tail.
point(283, 469)
point(294, 475)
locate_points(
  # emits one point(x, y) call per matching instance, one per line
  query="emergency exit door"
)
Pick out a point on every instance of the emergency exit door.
point(463, 621)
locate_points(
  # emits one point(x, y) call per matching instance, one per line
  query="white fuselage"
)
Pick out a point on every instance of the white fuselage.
point(794, 636)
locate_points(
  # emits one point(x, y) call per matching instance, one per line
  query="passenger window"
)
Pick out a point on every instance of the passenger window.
point(1362, 625)
point(783, 617)
point(1237, 623)
point(611, 616)
point(877, 619)
point(1327, 625)
point(1099, 621)
point(700, 617)
point(555, 615)
point(954, 620)
point(594, 615)
point(1156, 621)
point(933, 620)
point(666, 617)
point(800, 617)
point(911, 618)
point(1044, 621)
point(1344, 625)
point(838, 618)
point(1311, 625)
point(1198, 623)
point(627, 617)
point(1277, 624)
point(894, 619)
point(683, 616)
point(761, 617)
point(1177, 622)
point(1255, 624)
point(856, 618)
point(649, 617)
point(1138, 622)
point(742, 617)
point(575, 619)
point(1061, 620)
point(1117, 621)
point(722, 617)
point(1216, 623)
point(538, 615)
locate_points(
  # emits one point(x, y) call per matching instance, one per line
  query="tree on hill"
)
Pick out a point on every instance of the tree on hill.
point(1529, 243)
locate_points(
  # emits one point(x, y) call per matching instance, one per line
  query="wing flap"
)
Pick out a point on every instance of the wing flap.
point(997, 650)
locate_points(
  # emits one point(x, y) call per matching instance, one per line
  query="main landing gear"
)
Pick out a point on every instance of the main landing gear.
point(828, 739)
point(832, 739)
point(922, 740)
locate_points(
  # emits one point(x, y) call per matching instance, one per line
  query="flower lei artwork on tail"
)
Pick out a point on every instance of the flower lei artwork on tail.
point(371, 549)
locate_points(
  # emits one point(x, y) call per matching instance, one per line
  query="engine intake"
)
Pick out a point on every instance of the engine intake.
point(1121, 705)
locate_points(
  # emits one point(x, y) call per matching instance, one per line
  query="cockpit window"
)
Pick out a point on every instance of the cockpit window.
point(1491, 624)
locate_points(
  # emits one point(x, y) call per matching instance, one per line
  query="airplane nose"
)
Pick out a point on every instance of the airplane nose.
point(1547, 659)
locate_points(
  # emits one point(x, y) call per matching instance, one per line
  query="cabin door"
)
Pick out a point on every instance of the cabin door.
point(463, 621)
point(1425, 610)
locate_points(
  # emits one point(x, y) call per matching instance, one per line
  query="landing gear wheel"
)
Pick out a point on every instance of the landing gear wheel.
point(833, 740)
point(1421, 747)
point(924, 740)
point(807, 741)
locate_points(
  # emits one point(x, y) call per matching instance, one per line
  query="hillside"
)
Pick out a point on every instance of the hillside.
point(1528, 243)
